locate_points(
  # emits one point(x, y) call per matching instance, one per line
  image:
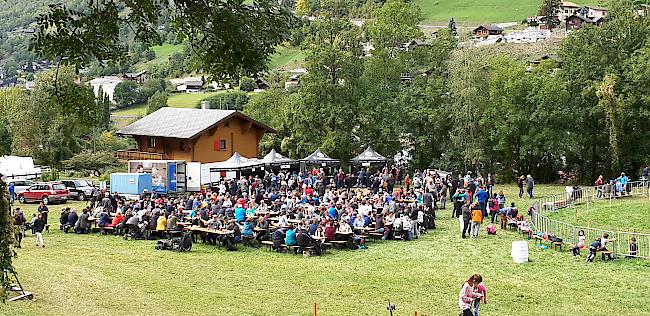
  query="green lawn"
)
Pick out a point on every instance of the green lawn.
point(162, 55)
point(105, 275)
point(138, 109)
point(626, 214)
point(177, 100)
point(467, 12)
point(286, 57)
point(188, 100)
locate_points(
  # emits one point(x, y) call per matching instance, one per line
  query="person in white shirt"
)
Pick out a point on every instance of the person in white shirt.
point(359, 222)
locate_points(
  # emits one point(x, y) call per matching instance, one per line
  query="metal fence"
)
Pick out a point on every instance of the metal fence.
point(622, 241)
point(609, 191)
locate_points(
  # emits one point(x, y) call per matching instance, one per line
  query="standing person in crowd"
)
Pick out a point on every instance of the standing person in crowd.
point(477, 219)
point(598, 186)
point(494, 207)
point(530, 185)
point(468, 294)
point(12, 193)
point(19, 226)
point(520, 184)
point(467, 216)
point(42, 209)
point(481, 197)
point(490, 183)
point(39, 225)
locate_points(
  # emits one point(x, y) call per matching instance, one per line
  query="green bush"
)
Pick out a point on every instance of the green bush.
point(247, 84)
point(52, 175)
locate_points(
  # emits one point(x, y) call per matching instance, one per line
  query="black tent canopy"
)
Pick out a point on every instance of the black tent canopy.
point(320, 159)
point(367, 157)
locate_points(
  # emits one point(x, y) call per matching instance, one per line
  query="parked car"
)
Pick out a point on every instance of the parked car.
point(45, 192)
point(20, 185)
point(79, 189)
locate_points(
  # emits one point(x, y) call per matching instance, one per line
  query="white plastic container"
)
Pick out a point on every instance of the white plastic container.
point(519, 251)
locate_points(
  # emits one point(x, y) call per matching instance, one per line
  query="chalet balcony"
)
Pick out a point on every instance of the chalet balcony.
point(138, 155)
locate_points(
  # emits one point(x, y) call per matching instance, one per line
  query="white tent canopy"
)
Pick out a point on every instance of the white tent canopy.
point(275, 159)
point(236, 163)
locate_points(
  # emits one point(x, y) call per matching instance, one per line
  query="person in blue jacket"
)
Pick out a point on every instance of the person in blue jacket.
point(481, 198)
point(240, 213)
point(290, 238)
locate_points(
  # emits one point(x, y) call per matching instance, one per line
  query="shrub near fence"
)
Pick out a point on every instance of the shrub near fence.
point(569, 232)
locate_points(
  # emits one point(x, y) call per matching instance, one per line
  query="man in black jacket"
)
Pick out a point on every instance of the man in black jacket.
point(278, 238)
point(39, 225)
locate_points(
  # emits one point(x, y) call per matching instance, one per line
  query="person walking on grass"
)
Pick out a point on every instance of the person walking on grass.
point(530, 185)
point(468, 294)
point(19, 226)
point(39, 225)
point(520, 184)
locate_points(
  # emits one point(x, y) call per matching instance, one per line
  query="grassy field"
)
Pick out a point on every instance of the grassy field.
point(286, 57)
point(105, 275)
point(467, 12)
point(162, 55)
point(627, 214)
point(188, 100)
point(178, 100)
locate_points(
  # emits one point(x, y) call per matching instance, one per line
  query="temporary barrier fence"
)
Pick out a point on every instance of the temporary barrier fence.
point(621, 243)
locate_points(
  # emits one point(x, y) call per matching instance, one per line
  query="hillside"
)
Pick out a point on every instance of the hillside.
point(470, 12)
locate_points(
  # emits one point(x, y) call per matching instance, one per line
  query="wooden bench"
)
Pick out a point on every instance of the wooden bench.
point(104, 230)
point(375, 235)
point(338, 243)
point(603, 253)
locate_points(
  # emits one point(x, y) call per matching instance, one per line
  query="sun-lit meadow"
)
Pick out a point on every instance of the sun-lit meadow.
point(106, 275)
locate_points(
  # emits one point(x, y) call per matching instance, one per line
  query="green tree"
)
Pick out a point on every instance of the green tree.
point(302, 7)
point(6, 240)
point(228, 38)
point(156, 102)
point(104, 108)
point(549, 10)
point(394, 23)
point(232, 100)
point(95, 162)
point(128, 93)
point(47, 123)
point(247, 84)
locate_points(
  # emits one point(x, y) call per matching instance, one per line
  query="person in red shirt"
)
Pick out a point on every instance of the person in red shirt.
point(330, 230)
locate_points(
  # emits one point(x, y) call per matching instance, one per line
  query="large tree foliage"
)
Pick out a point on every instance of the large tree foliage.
point(46, 123)
point(228, 38)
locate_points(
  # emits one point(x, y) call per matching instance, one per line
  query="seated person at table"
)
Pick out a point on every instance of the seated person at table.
point(236, 230)
point(264, 234)
point(132, 227)
point(313, 226)
point(330, 231)
point(72, 221)
point(104, 219)
point(278, 238)
point(359, 222)
point(320, 232)
point(247, 230)
point(240, 213)
point(213, 223)
point(161, 224)
point(290, 238)
point(83, 224)
point(172, 222)
point(344, 228)
point(304, 240)
point(379, 224)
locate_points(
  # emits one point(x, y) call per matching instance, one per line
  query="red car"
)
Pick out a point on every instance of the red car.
point(45, 192)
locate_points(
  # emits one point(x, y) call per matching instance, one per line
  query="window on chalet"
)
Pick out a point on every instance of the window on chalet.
point(152, 142)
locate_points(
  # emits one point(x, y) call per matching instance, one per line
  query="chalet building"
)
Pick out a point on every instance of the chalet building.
point(487, 30)
point(567, 9)
point(576, 22)
point(139, 77)
point(201, 135)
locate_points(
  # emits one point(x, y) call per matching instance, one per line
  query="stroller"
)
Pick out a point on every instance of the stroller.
point(179, 244)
